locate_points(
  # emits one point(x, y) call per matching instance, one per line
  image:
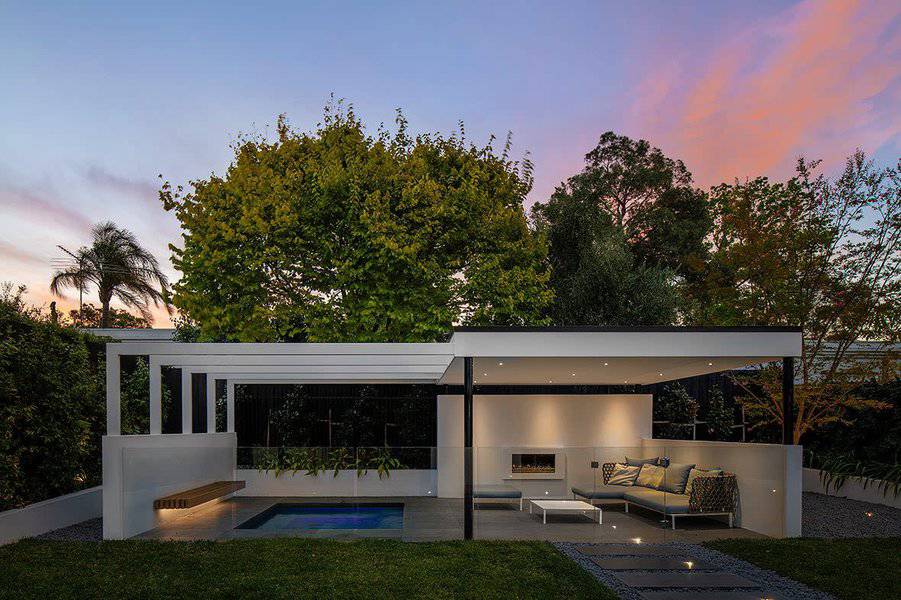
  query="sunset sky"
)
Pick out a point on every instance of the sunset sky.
point(98, 99)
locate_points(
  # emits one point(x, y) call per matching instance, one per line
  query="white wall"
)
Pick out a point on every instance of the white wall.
point(402, 482)
point(48, 515)
point(768, 475)
point(576, 424)
point(852, 489)
point(138, 469)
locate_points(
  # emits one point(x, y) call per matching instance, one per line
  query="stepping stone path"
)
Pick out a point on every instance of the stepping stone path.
point(661, 572)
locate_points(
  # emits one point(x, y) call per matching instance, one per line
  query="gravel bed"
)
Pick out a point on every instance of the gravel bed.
point(772, 583)
point(831, 517)
point(86, 531)
point(619, 588)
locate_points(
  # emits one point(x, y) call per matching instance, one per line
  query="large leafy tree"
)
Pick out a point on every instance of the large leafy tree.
point(119, 267)
point(623, 234)
point(339, 235)
point(818, 252)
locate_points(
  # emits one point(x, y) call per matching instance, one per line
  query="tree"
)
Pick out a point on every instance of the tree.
point(338, 235)
point(719, 416)
point(816, 252)
point(89, 317)
point(596, 278)
point(119, 267)
point(678, 409)
point(647, 196)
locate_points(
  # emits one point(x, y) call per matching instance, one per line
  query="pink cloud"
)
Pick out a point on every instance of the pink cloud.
point(818, 79)
point(11, 252)
point(43, 208)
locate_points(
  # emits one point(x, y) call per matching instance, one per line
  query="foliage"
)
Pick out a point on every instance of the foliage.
point(186, 330)
point(135, 400)
point(314, 461)
point(358, 570)
point(676, 406)
point(719, 416)
point(52, 408)
point(119, 267)
point(816, 252)
point(596, 278)
point(849, 569)
point(836, 469)
point(91, 317)
point(336, 235)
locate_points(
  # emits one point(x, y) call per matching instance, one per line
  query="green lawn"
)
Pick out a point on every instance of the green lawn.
point(290, 568)
point(858, 569)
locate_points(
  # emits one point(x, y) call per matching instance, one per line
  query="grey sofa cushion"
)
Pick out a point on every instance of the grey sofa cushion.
point(600, 491)
point(637, 462)
point(496, 491)
point(675, 477)
point(664, 502)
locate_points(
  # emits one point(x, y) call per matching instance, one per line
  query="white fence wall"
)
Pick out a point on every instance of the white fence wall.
point(402, 482)
point(769, 479)
point(574, 425)
point(48, 515)
point(138, 469)
point(852, 489)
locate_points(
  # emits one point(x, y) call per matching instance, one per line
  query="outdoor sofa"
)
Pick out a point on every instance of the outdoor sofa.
point(713, 494)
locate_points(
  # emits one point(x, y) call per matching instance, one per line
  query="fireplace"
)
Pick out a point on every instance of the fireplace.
point(533, 463)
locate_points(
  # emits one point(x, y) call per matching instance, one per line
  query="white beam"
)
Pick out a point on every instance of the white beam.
point(156, 396)
point(210, 403)
point(187, 402)
point(230, 406)
point(113, 393)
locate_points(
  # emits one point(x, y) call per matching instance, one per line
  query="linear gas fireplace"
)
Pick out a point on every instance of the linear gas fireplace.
point(533, 463)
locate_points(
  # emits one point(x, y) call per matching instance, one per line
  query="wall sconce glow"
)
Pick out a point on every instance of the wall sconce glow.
point(572, 374)
point(485, 374)
point(614, 526)
point(636, 540)
point(710, 364)
point(500, 364)
point(689, 564)
point(774, 491)
point(661, 374)
point(869, 514)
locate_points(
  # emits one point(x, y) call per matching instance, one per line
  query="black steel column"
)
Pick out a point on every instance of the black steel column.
point(788, 399)
point(467, 448)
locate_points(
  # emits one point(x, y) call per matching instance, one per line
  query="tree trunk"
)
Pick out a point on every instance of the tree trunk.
point(104, 314)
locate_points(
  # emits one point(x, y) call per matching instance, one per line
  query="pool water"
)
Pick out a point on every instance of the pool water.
point(292, 517)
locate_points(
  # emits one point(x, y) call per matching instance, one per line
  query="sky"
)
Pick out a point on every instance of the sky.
point(98, 99)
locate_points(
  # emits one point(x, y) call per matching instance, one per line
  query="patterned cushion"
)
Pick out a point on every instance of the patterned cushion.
point(695, 473)
point(637, 462)
point(675, 477)
point(650, 476)
point(623, 475)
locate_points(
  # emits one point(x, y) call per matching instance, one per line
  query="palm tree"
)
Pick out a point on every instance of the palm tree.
point(117, 264)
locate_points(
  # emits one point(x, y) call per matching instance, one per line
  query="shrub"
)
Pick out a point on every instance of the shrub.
point(52, 407)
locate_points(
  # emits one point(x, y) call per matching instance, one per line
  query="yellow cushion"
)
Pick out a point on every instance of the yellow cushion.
point(650, 476)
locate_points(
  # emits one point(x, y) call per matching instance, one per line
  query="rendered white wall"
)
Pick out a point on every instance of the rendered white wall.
point(576, 424)
point(138, 469)
point(768, 475)
point(402, 482)
point(48, 515)
point(852, 489)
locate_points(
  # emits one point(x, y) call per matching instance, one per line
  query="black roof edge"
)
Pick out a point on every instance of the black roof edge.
point(671, 329)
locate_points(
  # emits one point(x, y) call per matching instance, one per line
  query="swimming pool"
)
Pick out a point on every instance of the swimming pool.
point(310, 516)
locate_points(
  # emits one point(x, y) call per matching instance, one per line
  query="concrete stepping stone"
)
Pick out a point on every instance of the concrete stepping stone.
point(650, 563)
point(627, 550)
point(668, 579)
point(700, 595)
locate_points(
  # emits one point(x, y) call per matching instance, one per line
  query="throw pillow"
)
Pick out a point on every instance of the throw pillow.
point(637, 462)
point(695, 473)
point(623, 475)
point(676, 475)
point(650, 476)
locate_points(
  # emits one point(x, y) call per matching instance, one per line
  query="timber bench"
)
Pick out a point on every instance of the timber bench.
point(199, 495)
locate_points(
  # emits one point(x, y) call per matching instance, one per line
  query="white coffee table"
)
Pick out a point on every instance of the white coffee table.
point(566, 506)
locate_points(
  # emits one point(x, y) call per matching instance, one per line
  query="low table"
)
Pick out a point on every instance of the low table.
point(566, 506)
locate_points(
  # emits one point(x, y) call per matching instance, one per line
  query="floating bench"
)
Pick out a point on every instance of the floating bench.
point(204, 493)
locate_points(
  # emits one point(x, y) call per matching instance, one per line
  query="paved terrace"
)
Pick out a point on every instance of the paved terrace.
point(430, 519)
